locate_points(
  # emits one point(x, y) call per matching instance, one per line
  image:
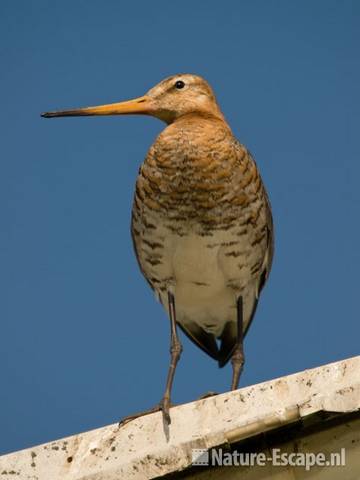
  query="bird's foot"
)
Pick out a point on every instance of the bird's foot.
point(134, 416)
point(207, 395)
point(163, 406)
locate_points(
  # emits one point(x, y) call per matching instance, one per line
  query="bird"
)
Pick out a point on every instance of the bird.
point(202, 225)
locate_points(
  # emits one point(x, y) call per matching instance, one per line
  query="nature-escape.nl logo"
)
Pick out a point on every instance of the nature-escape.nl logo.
point(277, 458)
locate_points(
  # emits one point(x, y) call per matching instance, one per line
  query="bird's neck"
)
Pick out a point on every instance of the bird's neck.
point(200, 117)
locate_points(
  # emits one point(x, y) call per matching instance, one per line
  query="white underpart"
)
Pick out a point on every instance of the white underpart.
point(201, 276)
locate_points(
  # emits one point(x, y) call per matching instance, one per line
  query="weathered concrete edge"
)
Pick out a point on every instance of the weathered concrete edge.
point(142, 449)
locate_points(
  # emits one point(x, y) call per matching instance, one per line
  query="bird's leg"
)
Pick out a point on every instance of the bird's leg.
point(175, 352)
point(237, 359)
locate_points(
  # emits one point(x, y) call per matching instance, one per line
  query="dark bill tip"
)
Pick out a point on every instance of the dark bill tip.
point(64, 113)
point(55, 114)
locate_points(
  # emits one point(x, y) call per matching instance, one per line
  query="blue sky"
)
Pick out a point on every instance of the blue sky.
point(83, 342)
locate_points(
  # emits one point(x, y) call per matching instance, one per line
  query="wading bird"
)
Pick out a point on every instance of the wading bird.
point(201, 221)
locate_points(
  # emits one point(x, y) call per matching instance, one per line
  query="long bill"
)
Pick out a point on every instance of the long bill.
point(141, 105)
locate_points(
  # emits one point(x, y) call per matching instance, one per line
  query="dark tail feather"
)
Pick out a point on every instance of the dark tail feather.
point(202, 339)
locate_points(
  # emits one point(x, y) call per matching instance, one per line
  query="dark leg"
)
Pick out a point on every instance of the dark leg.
point(237, 359)
point(175, 352)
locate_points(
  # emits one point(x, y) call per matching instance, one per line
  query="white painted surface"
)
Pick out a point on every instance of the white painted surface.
point(143, 449)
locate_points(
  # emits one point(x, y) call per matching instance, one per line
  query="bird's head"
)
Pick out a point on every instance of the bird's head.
point(169, 100)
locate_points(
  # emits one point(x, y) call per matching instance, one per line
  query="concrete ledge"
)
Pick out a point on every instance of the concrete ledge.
point(143, 449)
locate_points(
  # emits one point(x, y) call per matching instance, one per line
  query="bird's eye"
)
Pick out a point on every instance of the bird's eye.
point(179, 84)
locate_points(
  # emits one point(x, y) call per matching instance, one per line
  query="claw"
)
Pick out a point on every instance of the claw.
point(165, 408)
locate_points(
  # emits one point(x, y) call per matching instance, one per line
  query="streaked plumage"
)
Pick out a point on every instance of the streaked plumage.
point(201, 220)
point(202, 227)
